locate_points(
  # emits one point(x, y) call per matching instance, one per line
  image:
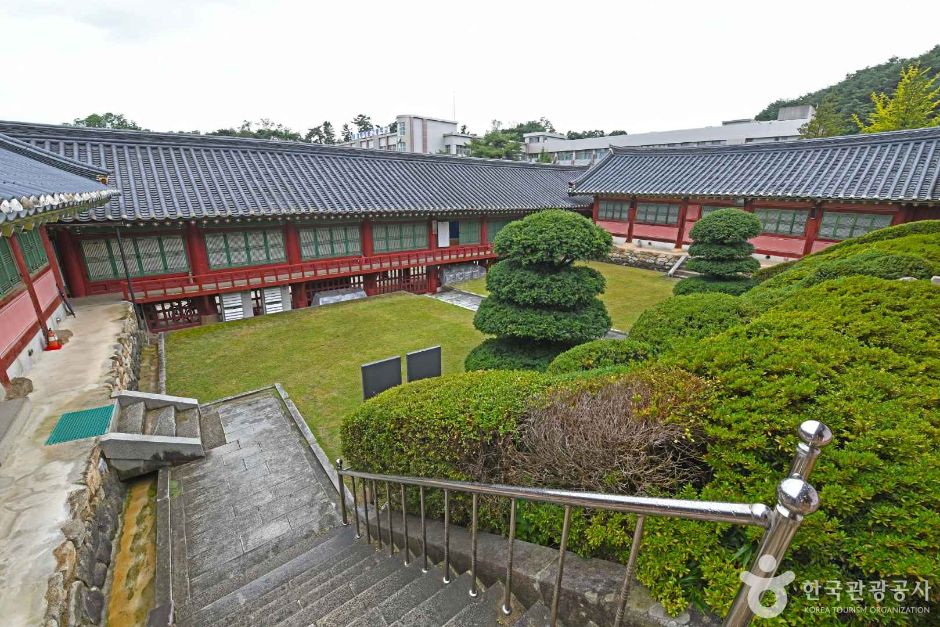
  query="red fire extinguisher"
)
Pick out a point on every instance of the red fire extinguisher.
point(52, 341)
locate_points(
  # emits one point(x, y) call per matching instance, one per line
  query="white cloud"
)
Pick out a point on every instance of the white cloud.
point(174, 65)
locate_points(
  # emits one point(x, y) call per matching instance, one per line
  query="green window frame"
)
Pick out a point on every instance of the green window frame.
point(147, 255)
point(783, 221)
point(469, 231)
point(9, 277)
point(493, 227)
point(613, 210)
point(707, 209)
point(840, 225)
point(656, 213)
point(34, 253)
point(340, 240)
point(229, 249)
point(389, 237)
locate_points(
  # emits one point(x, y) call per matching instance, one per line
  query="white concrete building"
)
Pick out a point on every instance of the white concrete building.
point(587, 151)
point(415, 133)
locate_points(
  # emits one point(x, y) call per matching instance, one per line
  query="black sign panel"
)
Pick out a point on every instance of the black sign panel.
point(379, 376)
point(424, 364)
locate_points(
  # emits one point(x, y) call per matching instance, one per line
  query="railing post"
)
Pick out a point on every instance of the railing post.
point(563, 545)
point(342, 491)
point(446, 536)
point(355, 508)
point(795, 499)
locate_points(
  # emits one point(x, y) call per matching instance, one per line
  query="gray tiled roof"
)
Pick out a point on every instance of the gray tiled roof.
point(901, 166)
point(168, 176)
point(33, 181)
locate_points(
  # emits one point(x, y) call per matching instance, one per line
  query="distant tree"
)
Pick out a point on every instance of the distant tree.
point(585, 134)
point(107, 120)
point(329, 135)
point(532, 126)
point(264, 129)
point(393, 127)
point(612, 133)
point(322, 134)
point(914, 103)
point(826, 122)
point(363, 123)
point(496, 144)
point(544, 157)
point(463, 129)
point(346, 134)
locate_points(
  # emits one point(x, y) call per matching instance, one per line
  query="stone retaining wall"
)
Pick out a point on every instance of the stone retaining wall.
point(76, 592)
point(125, 361)
point(648, 259)
point(461, 272)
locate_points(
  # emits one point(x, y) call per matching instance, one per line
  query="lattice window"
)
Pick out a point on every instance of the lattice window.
point(33, 251)
point(330, 241)
point(843, 225)
point(146, 256)
point(654, 213)
point(612, 210)
point(395, 236)
point(469, 232)
point(493, 227)
point(782, 221)
point(245, 248)
point(9, 277)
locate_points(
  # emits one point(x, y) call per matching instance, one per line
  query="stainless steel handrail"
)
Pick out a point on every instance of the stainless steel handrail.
point(795, 499)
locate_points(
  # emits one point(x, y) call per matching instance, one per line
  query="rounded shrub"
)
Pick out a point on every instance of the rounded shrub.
point(508, 354)
point(702, 284)
point(726, 226)
point(507, 319)
point(679, 320)
point(553, 237)
point(863, 355)
point(720, 250)
point(538, 286)
point(873, 263)
point(600, 354)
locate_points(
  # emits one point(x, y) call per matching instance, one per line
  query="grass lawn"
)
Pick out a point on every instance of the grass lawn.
point(315, 353)
point(629, 291)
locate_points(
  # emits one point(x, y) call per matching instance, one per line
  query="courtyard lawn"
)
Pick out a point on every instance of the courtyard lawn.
point(315, 353)
point(629, 292)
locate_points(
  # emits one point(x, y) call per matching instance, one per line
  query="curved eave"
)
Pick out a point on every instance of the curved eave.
point(920, 202)
point(28, 212)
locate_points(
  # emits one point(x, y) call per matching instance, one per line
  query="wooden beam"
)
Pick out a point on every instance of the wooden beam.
point(20, 262)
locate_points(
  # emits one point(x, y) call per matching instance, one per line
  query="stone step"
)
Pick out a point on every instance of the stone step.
point(483, 611)
point(405, 600)
point(370, 598)
point(242, 572)
point(210, 427)
point(187, 423)
point(319, 602)
point(131, 418)
point(441, 606)
point(353, 561)
point(536, 616)
point(160, 421)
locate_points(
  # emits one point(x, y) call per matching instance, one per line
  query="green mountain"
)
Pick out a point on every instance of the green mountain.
point(853, 94)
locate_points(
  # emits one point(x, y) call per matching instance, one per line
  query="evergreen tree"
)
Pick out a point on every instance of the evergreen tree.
point(107, 120)
point(540, 303)
point(496, 144)
point(329, 135)
point(544, 157)
point(363, 123)
point(346, 134)
point(826, 122)
point(721, 253)
point(914, 104)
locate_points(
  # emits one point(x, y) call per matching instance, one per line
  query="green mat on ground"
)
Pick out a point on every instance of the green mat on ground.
point(77, 425)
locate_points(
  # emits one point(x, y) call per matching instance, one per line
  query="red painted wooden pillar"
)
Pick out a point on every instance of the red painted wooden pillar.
point(28, 281)
point(292, 243)
point(73, 263)
point(595, 209)
point(683, 213)
point(631, 220)
point(366, 236)
point(812, 229)
point(433, 225)
point(196, 249)
point(903, 214)
point(484, 236)
point(433, 279)
point(51, 256)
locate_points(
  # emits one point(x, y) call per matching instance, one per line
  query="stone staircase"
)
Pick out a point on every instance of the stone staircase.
point(149, 431)
point(341, 581)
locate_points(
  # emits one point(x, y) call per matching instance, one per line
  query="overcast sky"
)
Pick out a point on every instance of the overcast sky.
point(184, 65)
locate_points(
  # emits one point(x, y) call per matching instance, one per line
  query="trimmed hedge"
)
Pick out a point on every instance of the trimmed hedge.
point(552, 237)
point(863, 355)
point(600, 354)
point(536, 286)
point(701, 285)
point(677, 321)
point(872, 263)
point(496, 317)
point(509, 354)
point(723, 268)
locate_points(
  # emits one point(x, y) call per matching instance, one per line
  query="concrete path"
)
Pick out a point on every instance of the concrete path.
point(36, 479)
point(252, 499)
point(460, 298)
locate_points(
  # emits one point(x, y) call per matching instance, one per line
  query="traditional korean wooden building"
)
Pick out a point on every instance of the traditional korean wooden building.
point(37, 189)
point(808, 194)
point(222, 228)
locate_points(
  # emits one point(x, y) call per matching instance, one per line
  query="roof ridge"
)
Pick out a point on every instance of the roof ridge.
point(50, 158)
point(62, 132)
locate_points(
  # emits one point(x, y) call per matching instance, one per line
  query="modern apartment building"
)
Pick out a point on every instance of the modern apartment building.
point(588, 151)
point(415, 133)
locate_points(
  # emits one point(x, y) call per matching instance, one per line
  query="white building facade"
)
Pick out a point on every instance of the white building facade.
point(415, 133)
point(587, 151)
